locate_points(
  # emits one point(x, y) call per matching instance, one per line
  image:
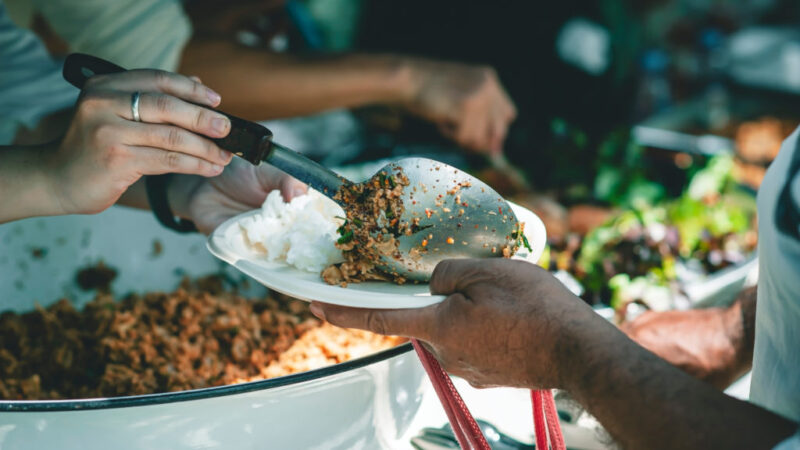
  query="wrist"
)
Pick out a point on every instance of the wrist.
point(26, 189)
point(45, 192)
point(406, 79)
point(584, 339)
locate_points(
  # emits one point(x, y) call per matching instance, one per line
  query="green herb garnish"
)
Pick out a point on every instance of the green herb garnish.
point(346, 237)
point(525, 243)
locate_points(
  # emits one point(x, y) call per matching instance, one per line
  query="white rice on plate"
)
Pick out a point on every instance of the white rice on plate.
point(301, 233)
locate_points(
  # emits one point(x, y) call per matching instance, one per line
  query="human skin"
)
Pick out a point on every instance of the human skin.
point(713, 344)
point(467, 103)
point(104, 155)
point(104, 151)
point(510, 323)
point(209, 201)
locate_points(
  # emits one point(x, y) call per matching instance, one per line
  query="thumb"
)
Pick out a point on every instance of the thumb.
point(291, 187)
point(415, 322)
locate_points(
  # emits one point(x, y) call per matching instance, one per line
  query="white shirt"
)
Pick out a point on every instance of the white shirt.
point(775, 382)
point(131, 33)
point(31, 85)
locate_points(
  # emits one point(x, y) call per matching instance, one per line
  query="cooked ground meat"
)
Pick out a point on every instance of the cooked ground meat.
point(373, 211)
point(162, 342)
point(98, 276)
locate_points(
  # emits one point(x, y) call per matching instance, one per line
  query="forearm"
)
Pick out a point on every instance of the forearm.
point(26, 189)
point(744, 334)
point(644, 402)
point(260, 85)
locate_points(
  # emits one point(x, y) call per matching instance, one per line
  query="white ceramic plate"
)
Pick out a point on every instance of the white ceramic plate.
point(227, 243)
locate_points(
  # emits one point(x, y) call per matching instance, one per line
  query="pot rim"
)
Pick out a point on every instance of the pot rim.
point(199, 394)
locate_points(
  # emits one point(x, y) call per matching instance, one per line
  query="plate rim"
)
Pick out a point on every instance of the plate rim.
point(216, 246)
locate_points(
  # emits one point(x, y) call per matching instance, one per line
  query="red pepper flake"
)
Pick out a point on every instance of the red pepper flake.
point(500, 208)
point(451, 241)
point(428, 213)
point(465, 205)
point(424, 242)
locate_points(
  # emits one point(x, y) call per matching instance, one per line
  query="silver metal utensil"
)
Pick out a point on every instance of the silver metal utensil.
point(456, 215)
point(459, 217)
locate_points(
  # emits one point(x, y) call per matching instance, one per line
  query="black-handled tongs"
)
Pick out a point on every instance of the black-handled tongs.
point(247, 139)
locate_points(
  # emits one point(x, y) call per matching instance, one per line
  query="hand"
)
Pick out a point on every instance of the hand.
point(504, 322)
point(705, 343)
point(104, 151)
point(468, 103)
point(241, 187)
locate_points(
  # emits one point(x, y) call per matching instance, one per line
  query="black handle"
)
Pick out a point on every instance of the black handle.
point(246, 139)
point(78, 68)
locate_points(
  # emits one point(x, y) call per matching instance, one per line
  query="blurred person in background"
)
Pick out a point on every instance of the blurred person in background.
point(467, 103)
point(107, 150)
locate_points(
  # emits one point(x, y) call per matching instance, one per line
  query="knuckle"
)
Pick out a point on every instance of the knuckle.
point(90, 101)
point(375, 322)
point(163, 104)
point(94, 81)
point(172, 160)
point(161, 79)
point(197, 89)
point(174, 138)
point(104, 133)
point(201, 117)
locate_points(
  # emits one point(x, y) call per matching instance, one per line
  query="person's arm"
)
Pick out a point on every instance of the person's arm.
point(713, 344)
point(26, 188)
point(468, 103)
point(105, 151)
point(264, 85)
point(511, 323)
point(644, 402)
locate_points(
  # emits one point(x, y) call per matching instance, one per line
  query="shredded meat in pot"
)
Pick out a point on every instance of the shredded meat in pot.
point(161, 342)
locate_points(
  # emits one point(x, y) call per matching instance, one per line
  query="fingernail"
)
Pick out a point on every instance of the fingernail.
point(217, 168)
point(298, 191)
point(221, 125)
point(213, 97)
point(196, 79)
point(225, 156)
point(317, 311)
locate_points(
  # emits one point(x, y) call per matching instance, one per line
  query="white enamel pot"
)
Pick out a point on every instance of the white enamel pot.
point(363, 403)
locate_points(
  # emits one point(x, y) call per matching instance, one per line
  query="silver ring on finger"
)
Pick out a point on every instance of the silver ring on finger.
point(135, 107)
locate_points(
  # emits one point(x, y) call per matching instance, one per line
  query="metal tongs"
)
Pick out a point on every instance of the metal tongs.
point(458, 215)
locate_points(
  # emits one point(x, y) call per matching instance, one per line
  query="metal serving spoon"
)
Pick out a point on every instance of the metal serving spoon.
point(458, 215)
